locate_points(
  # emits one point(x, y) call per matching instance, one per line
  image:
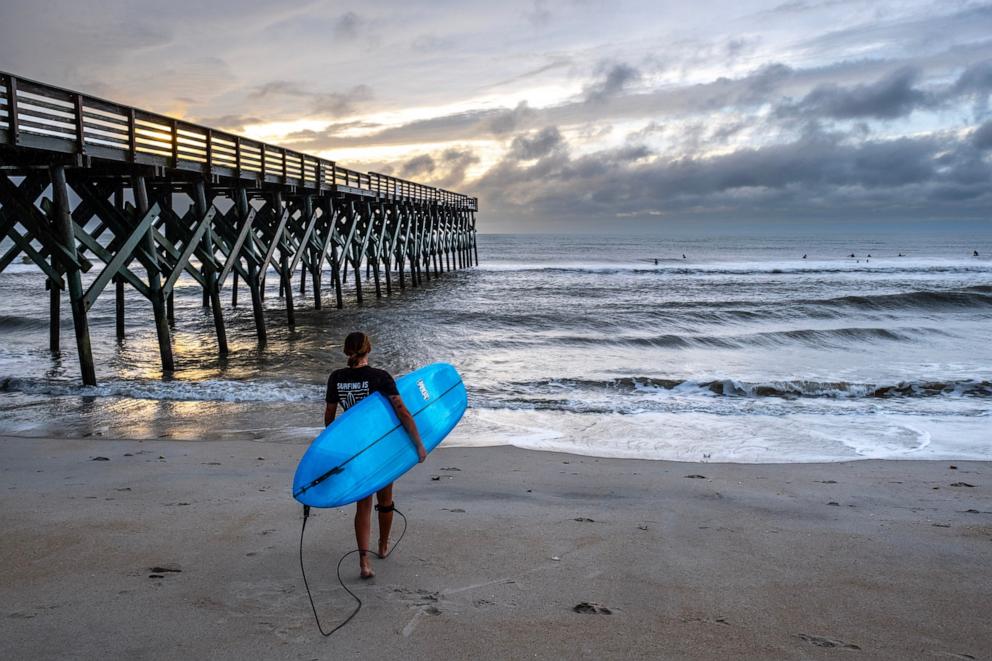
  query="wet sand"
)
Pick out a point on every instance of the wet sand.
point(183, 548)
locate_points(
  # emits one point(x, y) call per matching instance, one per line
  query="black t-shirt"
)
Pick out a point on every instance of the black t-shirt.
point(350, 385)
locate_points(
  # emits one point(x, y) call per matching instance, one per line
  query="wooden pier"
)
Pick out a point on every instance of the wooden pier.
point(136, 200)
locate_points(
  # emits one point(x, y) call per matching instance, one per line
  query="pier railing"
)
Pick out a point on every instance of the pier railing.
point(42, 116)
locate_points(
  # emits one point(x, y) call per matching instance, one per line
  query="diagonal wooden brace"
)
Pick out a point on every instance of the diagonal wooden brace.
point(234, 256)
point(284, 217)
point(303, 242)
point(192, 244)
point(118, 263)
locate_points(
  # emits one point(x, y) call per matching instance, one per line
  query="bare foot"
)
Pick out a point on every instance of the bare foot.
point(366, 567)
point(383, 548)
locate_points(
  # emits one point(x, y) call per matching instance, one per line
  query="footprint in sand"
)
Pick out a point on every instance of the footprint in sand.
point(820, 641)
point(417, 597)
point(159, 571)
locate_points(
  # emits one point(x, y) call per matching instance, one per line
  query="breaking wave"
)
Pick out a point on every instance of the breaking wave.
point(792, 389)
point(534, 391)
point(832, 337)
point(15, 322)
point(195, 391)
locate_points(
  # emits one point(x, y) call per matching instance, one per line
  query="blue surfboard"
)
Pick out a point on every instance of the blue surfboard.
point(366, 447)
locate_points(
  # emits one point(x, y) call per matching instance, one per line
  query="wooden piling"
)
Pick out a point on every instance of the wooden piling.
point(254, 284)
point(412, 250)
point(358, 277)
point(402, 228)
point(287, 289)
point(63, 218)
point(54, 315)
point(278, 243)
point(475, 241)
point(336, 275)
point(212, 291)
point(119, 325)
point(54, 297)
point(170, 299)
point(154, 279)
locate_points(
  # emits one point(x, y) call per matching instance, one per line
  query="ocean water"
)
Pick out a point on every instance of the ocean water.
point(741, 351)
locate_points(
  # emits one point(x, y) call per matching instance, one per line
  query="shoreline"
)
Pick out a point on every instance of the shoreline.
point(761, 560)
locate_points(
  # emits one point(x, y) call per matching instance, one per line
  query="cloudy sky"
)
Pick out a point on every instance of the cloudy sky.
point(573, 114)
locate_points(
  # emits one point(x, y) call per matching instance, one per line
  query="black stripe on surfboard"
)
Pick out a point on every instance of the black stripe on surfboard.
point(337, 469)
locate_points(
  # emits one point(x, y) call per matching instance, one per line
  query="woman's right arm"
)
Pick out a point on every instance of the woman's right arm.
point(330, 411)
point(410, 425)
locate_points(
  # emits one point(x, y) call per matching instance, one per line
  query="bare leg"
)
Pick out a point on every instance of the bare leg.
point(363, 529)
point(385, 499)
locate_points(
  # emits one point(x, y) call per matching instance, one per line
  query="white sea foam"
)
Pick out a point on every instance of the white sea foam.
point(740, 439)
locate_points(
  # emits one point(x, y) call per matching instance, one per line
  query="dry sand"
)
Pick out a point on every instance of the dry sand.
point(871, 559)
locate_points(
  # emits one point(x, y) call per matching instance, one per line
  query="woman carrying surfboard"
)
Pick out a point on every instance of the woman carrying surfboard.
point(346, 387)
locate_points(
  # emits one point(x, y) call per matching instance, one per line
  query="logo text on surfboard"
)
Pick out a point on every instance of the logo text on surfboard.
point(423, 390)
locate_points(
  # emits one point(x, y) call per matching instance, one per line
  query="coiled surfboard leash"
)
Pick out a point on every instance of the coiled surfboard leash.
point(358, 601)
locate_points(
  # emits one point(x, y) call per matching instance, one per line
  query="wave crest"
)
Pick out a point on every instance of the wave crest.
point(788, 389)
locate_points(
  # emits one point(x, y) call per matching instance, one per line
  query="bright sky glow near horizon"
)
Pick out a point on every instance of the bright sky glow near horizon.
point(573, 114)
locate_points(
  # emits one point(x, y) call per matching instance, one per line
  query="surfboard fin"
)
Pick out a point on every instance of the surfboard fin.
point(333, 471)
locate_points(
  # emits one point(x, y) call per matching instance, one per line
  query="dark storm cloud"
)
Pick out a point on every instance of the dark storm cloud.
point(538, 145)
point(444, 169)
point(982, 137)
point(506, 121)
point(614, 79)
point(894, 95)
point(976, 79)
point(456, 162)
point(817, 170)
point(418, 166)
point(975, 83)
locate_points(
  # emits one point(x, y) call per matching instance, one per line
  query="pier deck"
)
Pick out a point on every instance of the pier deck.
point(139, 199)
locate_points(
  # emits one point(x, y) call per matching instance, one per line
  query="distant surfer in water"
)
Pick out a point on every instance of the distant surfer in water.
point(346, 387)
